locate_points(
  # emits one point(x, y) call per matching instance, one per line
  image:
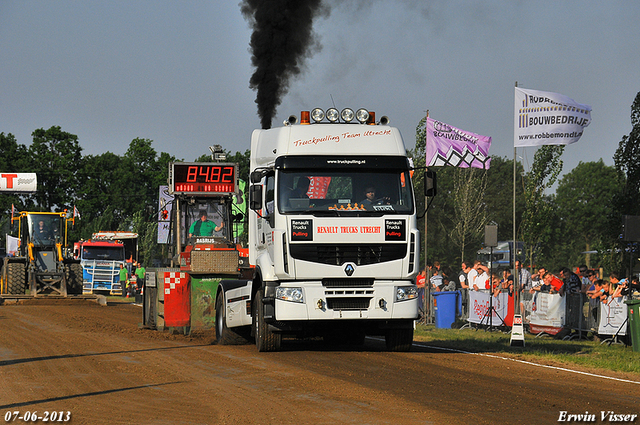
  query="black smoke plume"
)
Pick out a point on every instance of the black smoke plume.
point(281, 41)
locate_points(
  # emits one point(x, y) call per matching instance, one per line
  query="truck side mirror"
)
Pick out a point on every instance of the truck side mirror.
point(257, 175)
point(255, 196)
point(430, 186)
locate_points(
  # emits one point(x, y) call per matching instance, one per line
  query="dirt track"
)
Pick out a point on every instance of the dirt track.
point(96, 363)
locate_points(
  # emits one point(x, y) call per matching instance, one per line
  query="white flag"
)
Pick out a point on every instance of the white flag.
point(546, 118)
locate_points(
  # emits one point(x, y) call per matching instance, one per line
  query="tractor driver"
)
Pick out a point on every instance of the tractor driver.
point(43, 233)
point(204, 227)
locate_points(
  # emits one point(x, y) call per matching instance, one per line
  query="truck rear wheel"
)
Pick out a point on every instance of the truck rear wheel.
point(266, 340)
point(224, 334)
point(399, 339)
point(73, 273)
point(16, 279)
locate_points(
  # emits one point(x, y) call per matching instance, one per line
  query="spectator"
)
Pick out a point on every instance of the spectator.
point(617, 286)
point(582, 274)
point(421, 281)
point(436, 279)
point(496, 283)
point(463, 278)
point(481, 282)
point(450, 284)
point(557, 285)
point(538, 278)
point(571, 281)
point(472, 274)
point(551, 284)
point(507, 281)
point(524, 277)
point(633, 291)
point(600, 291)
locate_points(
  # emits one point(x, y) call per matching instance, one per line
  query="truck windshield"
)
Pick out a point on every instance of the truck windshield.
point(103, 253)
point(206, 218)
point(304, 191)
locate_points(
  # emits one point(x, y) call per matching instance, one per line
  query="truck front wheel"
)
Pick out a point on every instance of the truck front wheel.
point(266, 340)
point(224, 334)
point(399, 339)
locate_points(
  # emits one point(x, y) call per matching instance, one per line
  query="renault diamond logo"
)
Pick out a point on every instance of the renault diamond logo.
point(349, 269)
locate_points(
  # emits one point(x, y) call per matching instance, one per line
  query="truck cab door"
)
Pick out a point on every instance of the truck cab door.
point(269, 214)
point(263, 203)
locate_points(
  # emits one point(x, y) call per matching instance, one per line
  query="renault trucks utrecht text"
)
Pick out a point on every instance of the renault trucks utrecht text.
point(332, 235)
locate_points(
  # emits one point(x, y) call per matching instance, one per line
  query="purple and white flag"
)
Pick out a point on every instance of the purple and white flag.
point(447, 145)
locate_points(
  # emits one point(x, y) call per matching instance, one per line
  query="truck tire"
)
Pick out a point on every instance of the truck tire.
point(266, 340)
point(73, 274)
point(399, 339)
point(16, 279)
point(224, 334)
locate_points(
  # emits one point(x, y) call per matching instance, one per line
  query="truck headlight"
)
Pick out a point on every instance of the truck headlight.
point(290, 294)
point(317, 114)
point(404, 293)
point(333, 114)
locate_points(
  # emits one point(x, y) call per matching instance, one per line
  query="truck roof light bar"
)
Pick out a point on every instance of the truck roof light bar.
point(347, 115)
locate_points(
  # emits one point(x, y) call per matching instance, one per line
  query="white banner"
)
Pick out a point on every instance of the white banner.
point(547, 310)
point(546, 118)
point(613, 316)
point(18, 182)
point(11, 245)
point(479, 306)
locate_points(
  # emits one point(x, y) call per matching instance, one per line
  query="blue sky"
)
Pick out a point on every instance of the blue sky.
point(177, 72)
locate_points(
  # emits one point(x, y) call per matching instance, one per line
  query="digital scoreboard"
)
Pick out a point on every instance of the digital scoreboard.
point(201, 178)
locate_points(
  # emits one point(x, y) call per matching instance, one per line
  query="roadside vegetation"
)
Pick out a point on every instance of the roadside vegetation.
point(591, 353)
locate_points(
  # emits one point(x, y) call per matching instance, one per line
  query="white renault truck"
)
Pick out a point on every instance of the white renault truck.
point(332, 235)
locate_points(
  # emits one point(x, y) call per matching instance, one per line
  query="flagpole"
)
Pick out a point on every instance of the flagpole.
point(516, 280)
point(427, 291)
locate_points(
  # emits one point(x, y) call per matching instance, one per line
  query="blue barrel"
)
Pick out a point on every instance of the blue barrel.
point(445, 304)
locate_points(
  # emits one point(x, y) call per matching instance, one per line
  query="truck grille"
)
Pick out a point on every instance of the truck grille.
point(347, 283)
point(356, 303)
point(215, 261)
point(338, 254)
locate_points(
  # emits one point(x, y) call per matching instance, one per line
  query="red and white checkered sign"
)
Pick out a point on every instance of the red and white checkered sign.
point(173, 278)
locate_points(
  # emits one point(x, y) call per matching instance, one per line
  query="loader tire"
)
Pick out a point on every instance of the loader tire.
point(73, 275)
point(16, 279)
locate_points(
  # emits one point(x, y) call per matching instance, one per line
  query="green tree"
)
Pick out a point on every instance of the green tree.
point(14, 160)
point(148, 248)
point(499, 195)
point(56, 158)
point(538, 214)
point(586, 207)
point(469, 208)
point(627, 162)
point(103, 183)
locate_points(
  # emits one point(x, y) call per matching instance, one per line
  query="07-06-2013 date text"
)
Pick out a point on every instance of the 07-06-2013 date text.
point(46, 416)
